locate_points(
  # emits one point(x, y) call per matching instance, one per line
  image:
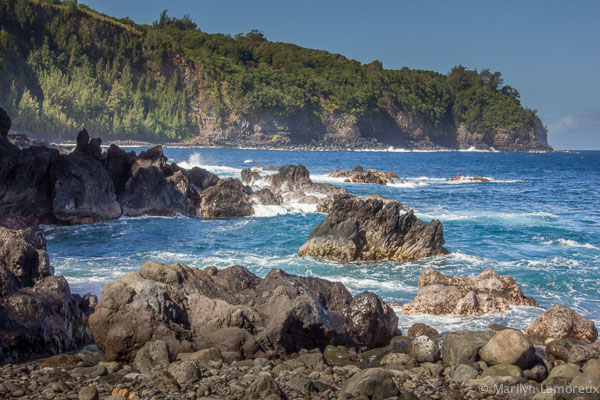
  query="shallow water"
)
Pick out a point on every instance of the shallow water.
point(538, 220)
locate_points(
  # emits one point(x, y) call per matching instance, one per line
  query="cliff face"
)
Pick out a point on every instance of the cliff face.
point(66, 67)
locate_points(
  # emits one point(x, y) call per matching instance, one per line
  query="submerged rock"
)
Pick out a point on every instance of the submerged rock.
point(560, 322)
point(38, 313)
point(370, 230)
point(232, 310)
point(488, 292)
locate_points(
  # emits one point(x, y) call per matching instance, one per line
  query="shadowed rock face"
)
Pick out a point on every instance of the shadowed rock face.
point(485, 293)
point(559, 322)
point(40, 185)
point(232, 309)
point(38, 313)
point(228, 198)
point(372, 229)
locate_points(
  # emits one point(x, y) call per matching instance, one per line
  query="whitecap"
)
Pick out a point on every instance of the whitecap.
point(570, 243)
point(248, 161)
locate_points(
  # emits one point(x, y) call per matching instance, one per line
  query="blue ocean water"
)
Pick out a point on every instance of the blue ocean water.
point(538, 220)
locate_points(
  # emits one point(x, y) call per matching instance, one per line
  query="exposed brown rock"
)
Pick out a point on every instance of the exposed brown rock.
point(485, 293)
point(560, 322)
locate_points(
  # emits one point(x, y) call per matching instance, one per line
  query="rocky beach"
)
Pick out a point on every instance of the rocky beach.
point(177, 331)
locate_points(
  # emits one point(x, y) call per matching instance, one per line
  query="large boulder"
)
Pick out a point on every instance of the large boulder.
point(372, 229)
point(476, 295)
point(83, 191)
point(157, 188)
point(228, 198)
point(41, 185)
point(371, 321)
point(509, 346)
point(560, 322)
point(38, 313)
point(463, 347)
point(231, 310)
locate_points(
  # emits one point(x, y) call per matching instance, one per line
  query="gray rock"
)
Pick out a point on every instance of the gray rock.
point(371, 321)
point(560, 322)
point(398, 360)
point(560, 348)
point(419, 329)
point(592, 368)
point(424, 349)
point(562, 374)
point(463, 347)
point(537, 373)
point(586, 381)
point(151, 356)
point(203, 356)
point(263, 387)
point(506, 370)
point(336, 355)
point(184, 371)
point(373, 383)
point(581, 354)
point(463, 373)
point(88, 393)
point(508, 347)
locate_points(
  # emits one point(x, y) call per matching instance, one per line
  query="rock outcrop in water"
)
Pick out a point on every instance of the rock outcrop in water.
point(234, 310)
point(228, 198)
point(488, 292)
point(359, 175)
point(41, 185)
point(292, 184)
point(372, 229)
point(560, 322)
point(38, 314)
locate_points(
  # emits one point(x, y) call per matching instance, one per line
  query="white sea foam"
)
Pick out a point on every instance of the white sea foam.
point(195, 160)
point(570, 243)
point(517, 317)
point(248, 161)
point(515, 217)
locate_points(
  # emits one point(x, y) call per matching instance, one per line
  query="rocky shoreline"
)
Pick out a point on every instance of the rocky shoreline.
point(170, 332)
point(173, 331)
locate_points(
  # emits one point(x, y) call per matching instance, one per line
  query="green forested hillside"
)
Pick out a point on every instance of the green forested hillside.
point(64, 66)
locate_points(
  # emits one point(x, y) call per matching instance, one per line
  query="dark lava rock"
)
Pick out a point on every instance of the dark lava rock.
point(232, 310)
point(372, 229)
point(38, 313)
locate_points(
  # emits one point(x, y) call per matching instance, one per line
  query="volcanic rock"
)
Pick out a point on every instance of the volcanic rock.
point(485, 293)
point(370, 230)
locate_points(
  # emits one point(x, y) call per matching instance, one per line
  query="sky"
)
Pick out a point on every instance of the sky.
point(549, 50)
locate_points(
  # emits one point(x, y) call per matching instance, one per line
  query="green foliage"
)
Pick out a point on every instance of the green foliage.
point(66, 66)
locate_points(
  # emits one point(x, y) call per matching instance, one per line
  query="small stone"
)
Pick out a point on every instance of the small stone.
point(424, 349)
point(88, 393)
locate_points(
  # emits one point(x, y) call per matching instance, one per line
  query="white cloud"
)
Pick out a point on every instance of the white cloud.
point(580, 132)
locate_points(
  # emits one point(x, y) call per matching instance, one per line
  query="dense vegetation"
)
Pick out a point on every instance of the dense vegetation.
point(64, 66)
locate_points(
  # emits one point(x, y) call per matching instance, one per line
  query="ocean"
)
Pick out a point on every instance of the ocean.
point(537, 220)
